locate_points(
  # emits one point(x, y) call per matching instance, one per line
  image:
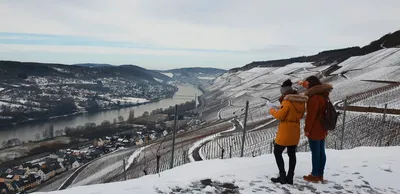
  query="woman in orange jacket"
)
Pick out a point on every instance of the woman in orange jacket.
point(289, 115)
point(316, 92)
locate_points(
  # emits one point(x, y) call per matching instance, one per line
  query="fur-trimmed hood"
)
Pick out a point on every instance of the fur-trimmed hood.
point(296, 98)
point(323, 89)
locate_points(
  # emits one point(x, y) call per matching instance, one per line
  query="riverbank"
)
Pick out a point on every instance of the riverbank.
point(32, 121)
point(27, 131)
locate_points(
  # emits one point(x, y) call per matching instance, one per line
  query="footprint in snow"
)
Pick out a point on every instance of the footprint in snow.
point(364, 166)
point(336, 175)
point(356, 173)
point(365, 182)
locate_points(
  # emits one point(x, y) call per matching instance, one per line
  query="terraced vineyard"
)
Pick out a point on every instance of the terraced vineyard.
point(146, 163)
point(366, 129)
point(104, 169)
point(256, 143)
point(390, 97)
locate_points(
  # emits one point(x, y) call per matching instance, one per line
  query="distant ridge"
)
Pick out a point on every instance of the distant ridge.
point(95, 65)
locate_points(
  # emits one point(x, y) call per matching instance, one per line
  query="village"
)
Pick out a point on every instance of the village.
point(22, 178)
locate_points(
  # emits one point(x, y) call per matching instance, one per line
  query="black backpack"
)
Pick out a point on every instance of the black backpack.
point(329, 119)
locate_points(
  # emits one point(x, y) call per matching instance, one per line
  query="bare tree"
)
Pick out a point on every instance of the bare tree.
point(121, 118)
point(146, 114)
point(37, 136)
point(106, 123)
point(131, 116)
point(4, 144)
point(59, 133)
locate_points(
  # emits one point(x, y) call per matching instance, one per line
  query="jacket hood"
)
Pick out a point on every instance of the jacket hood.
point(296, 98)
point(298, 102)
point(323, 89)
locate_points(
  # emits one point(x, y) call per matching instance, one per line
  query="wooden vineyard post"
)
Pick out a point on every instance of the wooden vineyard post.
point(124, 163)
point(173, 138)
point(158, 163)
point(382, 126)
point(271, 146)
point(344, 122)
point(230, 151)
point(244, 128)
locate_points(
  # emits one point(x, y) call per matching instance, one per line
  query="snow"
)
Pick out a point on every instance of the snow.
point(292, 67)
point(135, 155)
point(10, 104)
point(349, 171)
point(159, 80)
point(61, 70)
point(171, 75)
point(381, 58)
point(198, 144)
point(206, 78)
point(1, 89)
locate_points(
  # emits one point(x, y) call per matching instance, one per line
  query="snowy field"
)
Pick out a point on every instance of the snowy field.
point(103, 169)
point(206, 78)
point(171, 75)
point(361, 170)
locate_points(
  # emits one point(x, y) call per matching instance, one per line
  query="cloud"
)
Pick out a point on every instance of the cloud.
point(258, 28)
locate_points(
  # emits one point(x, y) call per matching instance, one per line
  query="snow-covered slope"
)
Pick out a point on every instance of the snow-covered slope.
point(259, 83)
point(361, 170)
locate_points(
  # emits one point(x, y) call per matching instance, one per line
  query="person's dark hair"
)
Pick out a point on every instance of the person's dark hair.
point(313, 81)
point(287, 83)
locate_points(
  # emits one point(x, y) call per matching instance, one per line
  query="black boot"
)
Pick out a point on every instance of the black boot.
point(281, 179)
point(289, 179)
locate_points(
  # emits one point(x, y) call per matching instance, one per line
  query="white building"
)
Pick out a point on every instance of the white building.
point(75, 165)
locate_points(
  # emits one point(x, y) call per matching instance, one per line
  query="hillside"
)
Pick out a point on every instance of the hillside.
point(194, 75)
point(94, 65)
point(361, 170)
point(332, 56)
point(30, 91)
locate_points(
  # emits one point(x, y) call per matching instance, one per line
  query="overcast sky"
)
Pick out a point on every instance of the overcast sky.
point(164, 34)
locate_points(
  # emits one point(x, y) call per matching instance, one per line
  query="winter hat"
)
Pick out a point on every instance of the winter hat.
point(286, 87)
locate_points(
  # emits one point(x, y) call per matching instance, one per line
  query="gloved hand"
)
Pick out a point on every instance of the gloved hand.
point(270, 105)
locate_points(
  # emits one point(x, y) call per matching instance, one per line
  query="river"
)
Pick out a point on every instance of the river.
point(26, 132)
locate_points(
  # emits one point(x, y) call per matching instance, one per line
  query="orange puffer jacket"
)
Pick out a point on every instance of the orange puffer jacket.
point(289, 116)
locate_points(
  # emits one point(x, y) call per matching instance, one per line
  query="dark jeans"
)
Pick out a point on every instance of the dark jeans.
point(318, 156)
point(291, 150)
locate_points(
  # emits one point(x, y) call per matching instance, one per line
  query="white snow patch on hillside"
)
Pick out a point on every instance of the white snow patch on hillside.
point(381, 58)
point(292, 68)
point(1, 89)
point(9, 104)
point(159, 80)
point(360, 170)
point(61, 70)
point(135, 155)
point(206, 78)
point(171, 75)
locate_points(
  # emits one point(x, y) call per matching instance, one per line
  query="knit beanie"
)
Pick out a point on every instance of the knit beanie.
point(286, 87)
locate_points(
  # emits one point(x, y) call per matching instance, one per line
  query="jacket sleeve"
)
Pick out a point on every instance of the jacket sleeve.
point(282, 112)
point(312, 111)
